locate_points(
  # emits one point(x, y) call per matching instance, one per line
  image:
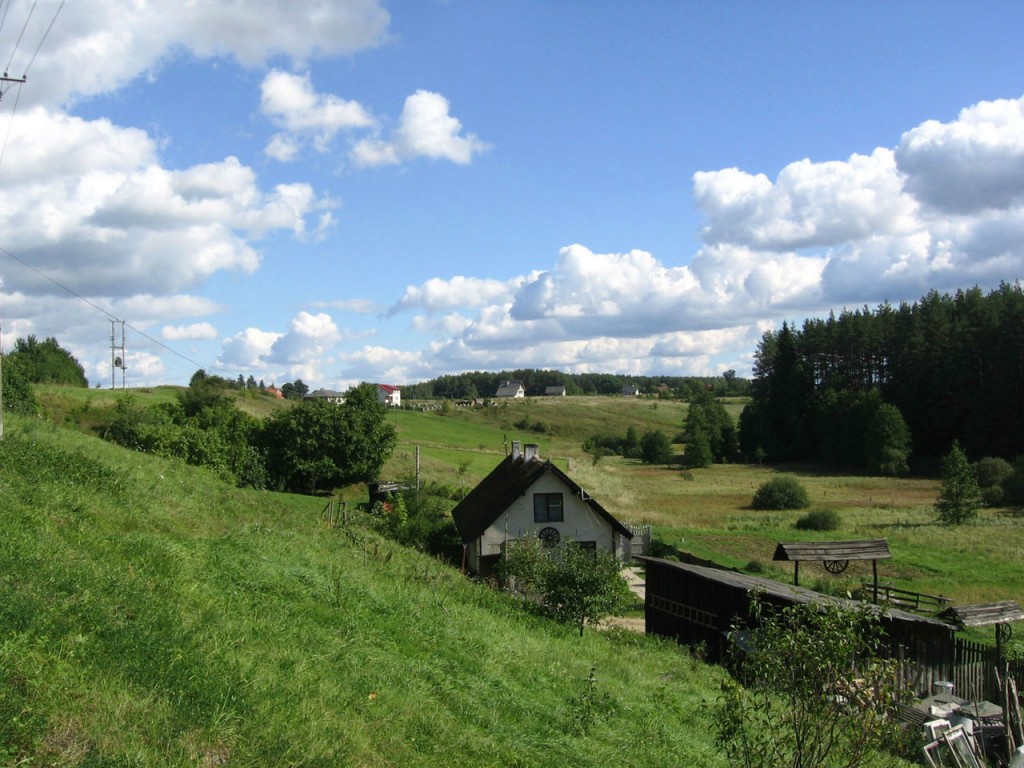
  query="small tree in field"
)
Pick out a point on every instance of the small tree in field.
point(960, 496)
point(818, 695)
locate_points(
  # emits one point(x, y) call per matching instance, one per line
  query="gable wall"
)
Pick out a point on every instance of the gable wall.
point(580, 522)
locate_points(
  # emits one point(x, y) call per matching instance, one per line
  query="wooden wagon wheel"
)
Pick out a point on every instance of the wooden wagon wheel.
point(835, 566)
point(1003, 633)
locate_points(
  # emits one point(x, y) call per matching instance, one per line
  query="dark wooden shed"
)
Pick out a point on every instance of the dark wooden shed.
point(698, 604)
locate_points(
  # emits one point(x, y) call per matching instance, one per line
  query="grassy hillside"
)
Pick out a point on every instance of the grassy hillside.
point(151, 616)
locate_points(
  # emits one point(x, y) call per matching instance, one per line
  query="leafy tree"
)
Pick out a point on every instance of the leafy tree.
point(575, 586)
point(707, 419)
point(698, 450)
point(887, 442)
point(17, 390)
point(960, 496)
point(46, 362)
point(783, 492)
point(816, 693)
point(656, 448)
point(318, 444)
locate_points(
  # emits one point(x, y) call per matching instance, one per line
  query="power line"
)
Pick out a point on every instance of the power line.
point(45, 35)
point(105, 312)
point(20, 35)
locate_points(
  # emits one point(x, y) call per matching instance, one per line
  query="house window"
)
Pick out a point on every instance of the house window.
point(588, 546)
point(547, 507)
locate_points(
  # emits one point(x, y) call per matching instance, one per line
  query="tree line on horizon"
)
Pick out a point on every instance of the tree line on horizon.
point(481, 384)
point(921, 375)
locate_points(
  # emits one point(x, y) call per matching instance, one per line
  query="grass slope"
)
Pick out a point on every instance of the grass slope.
point(152, 616)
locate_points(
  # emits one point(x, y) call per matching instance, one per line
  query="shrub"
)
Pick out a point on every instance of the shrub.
point(783, 492)
point(819, 520)
point(991, 471)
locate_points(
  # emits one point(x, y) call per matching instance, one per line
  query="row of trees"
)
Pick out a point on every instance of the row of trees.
point(305, 448)
point(470, 385)
point(865, 388)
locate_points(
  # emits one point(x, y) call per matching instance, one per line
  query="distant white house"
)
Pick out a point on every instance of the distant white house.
point(630, 390)
point(328, 395)
point(511, 388)
point(554, 391)
point(389, 395)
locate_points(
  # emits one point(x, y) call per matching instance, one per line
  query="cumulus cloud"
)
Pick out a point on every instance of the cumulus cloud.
point(808, 205)
point(309, 337)
point(101, 46)
point(437, 295)
point(972, 164)
point(90, 201)
point(425, 129)
point(290, 102)
point(195, 331)
point(247, 349)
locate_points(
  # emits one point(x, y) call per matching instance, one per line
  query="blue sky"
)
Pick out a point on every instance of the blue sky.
point(389, 191)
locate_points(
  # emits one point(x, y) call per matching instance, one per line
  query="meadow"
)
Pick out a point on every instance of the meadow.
point(707, 512)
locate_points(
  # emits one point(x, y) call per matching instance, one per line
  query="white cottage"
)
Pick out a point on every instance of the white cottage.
point(525, 496)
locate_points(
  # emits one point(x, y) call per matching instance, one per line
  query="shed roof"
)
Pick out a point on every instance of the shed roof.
point(787, 592)
point(984, 614)
point(865, 549)
point(506, 482)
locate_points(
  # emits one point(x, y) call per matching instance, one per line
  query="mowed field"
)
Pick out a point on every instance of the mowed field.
point(707, 512)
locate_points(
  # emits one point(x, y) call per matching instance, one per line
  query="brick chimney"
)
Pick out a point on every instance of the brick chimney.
point(531, 451)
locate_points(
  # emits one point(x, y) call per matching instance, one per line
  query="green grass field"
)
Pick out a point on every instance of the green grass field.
point(152, 616)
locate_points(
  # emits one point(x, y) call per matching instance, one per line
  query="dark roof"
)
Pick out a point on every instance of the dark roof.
point(508, 481)
point(985, 614)
point(785, 592)
point(867, 549)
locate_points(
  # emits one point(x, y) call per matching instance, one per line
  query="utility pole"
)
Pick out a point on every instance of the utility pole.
point(117, 360)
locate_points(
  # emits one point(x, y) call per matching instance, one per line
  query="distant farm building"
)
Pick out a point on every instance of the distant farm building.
point(511, 388)
point(554, 391)
point(389, 395)
point(326, 395)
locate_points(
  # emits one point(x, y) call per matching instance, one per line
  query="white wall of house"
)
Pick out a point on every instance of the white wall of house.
point(579, 522)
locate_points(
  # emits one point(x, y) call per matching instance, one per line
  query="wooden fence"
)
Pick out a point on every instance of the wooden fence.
point(970, 666)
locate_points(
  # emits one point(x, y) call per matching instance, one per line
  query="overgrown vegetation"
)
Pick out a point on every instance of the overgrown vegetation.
point(311, 446)
point(815, 691)
point(573, 585)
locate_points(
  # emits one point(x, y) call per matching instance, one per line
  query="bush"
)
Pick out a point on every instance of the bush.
point(991, 471)
point(781, 493)
point(819, 520)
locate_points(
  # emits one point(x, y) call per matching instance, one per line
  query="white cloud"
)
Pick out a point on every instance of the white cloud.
point(309, 337)
point(809, 204)
point(101, 46)
point(425, 129)
point(437, 295)
point(90, 202)
point(969, 165)
point(195, 331)
point(247, 349)
point(290, 101)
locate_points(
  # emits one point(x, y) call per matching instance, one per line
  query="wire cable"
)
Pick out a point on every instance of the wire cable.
point(10, 125)
point(105, 312)
point(21, 35)
point(45, 35)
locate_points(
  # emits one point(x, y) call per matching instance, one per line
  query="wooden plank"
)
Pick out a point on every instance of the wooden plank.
point(866, 549)
point(985, 614)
